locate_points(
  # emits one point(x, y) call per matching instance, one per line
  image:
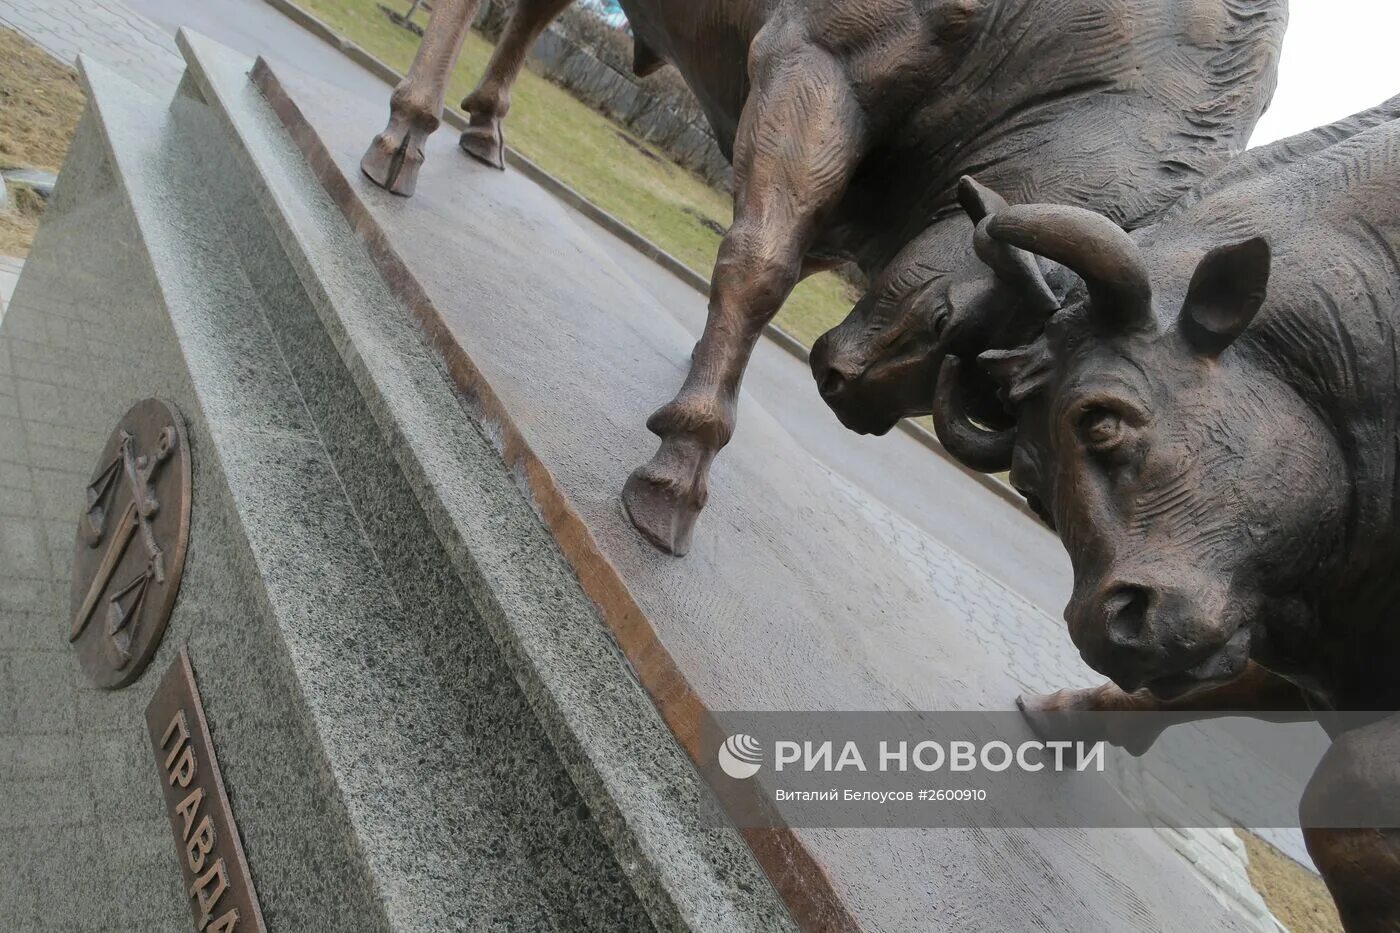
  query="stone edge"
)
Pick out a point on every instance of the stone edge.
point(94, 75)
point(802, 884)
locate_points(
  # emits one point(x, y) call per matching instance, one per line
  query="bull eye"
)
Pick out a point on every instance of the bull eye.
point(940, 323)
point(1101, 429)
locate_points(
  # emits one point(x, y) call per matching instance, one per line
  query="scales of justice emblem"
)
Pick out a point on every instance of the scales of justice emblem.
point(130, 550)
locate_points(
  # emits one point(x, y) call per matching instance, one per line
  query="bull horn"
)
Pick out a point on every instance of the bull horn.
point(1090, 245)
point(975, 447)
point(1015, 267)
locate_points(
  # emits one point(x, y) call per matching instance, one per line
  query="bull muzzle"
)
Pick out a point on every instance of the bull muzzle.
point(1143, 635)
point(866, 400)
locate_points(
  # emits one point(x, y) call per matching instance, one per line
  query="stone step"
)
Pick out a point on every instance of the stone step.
point(390, 790)
point(389, 766)
point(461, 548)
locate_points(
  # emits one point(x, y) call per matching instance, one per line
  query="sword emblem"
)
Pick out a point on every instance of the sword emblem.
point(138, 471)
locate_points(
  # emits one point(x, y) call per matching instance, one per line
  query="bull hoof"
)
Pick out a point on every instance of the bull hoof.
point(484, 141)
point(663, 508)
point(1040, 710)
point(1034, 703)
point(394, 157)
point(1063, 716)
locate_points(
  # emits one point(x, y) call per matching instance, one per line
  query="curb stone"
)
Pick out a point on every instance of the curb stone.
point(40, 182)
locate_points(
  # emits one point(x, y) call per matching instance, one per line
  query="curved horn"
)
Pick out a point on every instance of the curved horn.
point(1093, 247)
point(978, 200)
point(1015, 267)
point(975, 447)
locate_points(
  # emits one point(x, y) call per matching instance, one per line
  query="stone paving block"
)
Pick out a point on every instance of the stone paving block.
point(36, 631)
point(107, 30)
point(15, 502)
point(9, 696)
point(37, 757)
point(63, 509)
point(14, 902)
point(93, 709)
point(46, 803)
point(148, 853)
point(62, 488)
point(45, 702)
point(26, 595)
point(126, 751)
point(29, 358)
point(47, 853)
point(9, 278)
point(59, 552)
point(23, 550)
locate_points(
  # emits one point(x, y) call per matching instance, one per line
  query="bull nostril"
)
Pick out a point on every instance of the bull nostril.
point(1125, 614)
point(832, 382)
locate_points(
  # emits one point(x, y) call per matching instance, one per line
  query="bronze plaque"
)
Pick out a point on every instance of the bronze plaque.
point(130, 551)
point(217, 881)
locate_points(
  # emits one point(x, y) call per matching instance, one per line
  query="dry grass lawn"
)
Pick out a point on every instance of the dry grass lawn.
point(1295, 895)
point(40, 103)
point(19, 221)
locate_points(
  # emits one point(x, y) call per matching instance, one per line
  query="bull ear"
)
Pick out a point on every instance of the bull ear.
point(1227, 290)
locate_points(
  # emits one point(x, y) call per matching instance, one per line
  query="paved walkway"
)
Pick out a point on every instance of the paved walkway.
point(136, 38)
point(110, 31)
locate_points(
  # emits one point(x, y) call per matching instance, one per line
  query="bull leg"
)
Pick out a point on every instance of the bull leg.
point(1358, 781)
point(1257, 690)
point(487, 105)
point(415, 108)
point(800, 137)
point(1362, 870)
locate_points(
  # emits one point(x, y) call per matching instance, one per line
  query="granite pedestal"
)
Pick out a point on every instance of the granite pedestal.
point(448, 685)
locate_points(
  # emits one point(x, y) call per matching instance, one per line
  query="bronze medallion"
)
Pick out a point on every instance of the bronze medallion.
point(130, 550)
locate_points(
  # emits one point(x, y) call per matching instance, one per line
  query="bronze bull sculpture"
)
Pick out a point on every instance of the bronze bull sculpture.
point(1212, 426)
point(848, 124)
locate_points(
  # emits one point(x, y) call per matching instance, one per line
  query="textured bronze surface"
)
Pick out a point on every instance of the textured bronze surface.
point(848, 125)
point(130, 549)
point(217, 881)
point(1209, 423)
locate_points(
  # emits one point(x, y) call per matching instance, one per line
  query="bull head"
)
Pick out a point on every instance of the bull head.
point(883, 362)
point(1196, 492)
point(986, 443)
